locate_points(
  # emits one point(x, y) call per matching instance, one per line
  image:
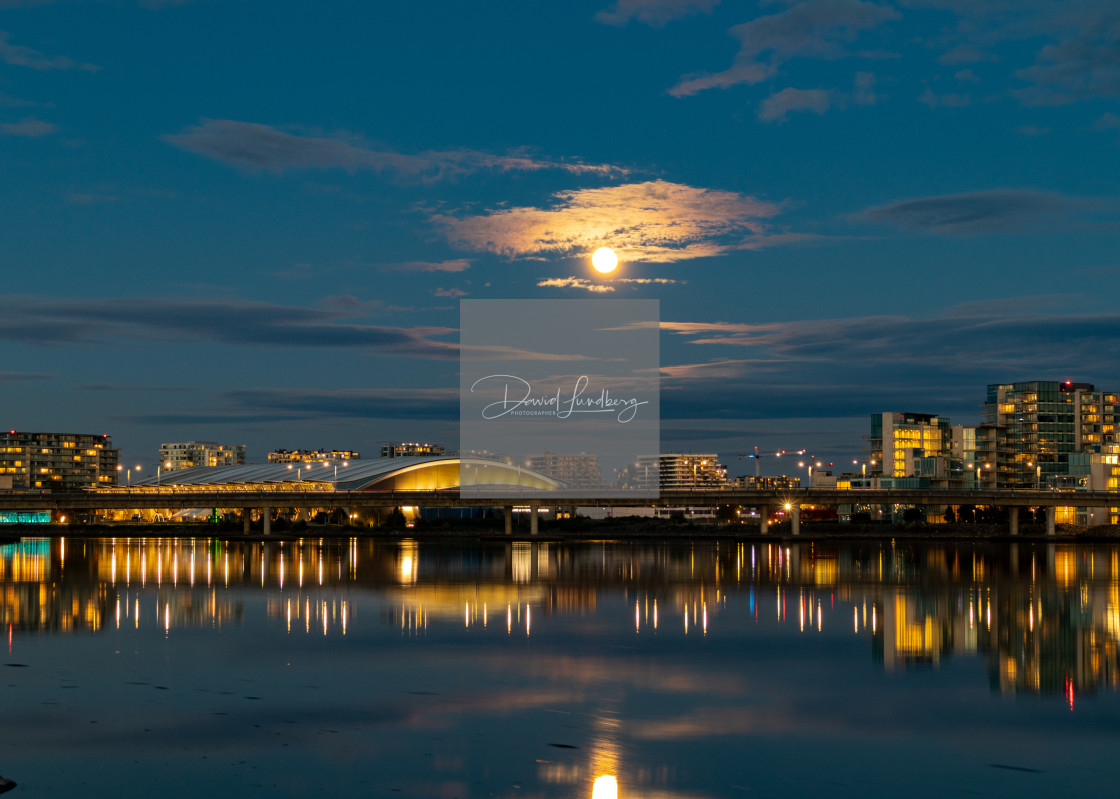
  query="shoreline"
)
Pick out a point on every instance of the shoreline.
point(618, 530)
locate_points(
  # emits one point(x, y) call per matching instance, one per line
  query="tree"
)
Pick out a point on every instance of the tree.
point(912, 515)
point(949, 515)
point(395, 520)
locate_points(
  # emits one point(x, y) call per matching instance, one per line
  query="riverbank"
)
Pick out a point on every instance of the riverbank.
point(579, 530)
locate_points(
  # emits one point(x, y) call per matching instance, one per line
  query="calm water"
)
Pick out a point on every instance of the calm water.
point(196, 667)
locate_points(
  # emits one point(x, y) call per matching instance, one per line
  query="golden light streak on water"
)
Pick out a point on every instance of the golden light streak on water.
point(605, 787)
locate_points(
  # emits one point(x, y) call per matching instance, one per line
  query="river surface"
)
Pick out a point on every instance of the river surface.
point(663, 669)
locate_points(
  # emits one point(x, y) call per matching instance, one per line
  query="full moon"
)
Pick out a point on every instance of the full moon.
point(604, 260)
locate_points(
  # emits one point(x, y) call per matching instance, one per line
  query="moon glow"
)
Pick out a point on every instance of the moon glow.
point(604, 260)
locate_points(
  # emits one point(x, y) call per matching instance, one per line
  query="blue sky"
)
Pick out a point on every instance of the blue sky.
point(252, 222)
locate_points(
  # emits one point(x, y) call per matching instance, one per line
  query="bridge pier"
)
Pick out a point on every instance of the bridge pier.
point(266, 519)
point(1013, 513)
point(534, 513)
point(763, 519)
point(795, 518)
point(508, 512)
point(246, 517)
point(1050, 526)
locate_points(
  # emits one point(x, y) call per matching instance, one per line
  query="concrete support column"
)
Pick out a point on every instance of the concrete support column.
point(1050, 527)
point(795, 519)
point(763, 519)
point(1013, 512)
point(266, 518)
point(508, 510)
point(534, 512)
point(246, 517)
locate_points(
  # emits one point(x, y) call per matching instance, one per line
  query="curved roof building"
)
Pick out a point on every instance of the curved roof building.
point(419, 473)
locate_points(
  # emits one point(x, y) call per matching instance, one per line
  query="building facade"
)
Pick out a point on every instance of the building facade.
point(309, 455)
point(681, 471)
point(58, 461)
point(188, 454)
point(910, 445)
point(1034, 434)
point(576, 471)
point(410, 448)
point(776, 483)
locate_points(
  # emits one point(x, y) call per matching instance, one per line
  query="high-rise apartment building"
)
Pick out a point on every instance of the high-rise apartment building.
point(58, 461)
point(188, 454)
point(1033, 432)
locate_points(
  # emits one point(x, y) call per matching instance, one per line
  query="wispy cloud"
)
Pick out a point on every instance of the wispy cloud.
point(599, 287)
point(1084, 66)
point(995, 211)
point(20, 56)
point(820, 29)
point(873, 363)
point(247, 406)
point(29, 128)
point(948, 100)
point(48, 321)
point(23, 377)
point(257, 147)
point(656, 221)
point(452, 292)
point(653, 12)
point(453, 265)
point(777, 107)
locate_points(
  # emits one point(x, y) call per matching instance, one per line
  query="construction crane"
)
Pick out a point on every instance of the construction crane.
point(756, 455)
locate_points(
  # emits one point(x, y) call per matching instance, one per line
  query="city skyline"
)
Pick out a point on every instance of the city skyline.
point(240, 223)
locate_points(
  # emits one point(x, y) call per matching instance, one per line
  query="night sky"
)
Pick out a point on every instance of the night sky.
point(252, 222)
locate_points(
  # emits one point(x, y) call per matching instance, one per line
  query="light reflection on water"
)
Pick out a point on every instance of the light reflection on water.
point(655, 669)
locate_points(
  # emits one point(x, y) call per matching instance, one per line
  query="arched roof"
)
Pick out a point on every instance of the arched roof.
point(413, 473)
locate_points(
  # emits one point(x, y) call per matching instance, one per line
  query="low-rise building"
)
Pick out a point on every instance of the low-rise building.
point(308, 455)
point(774, 483)
point(410, 448)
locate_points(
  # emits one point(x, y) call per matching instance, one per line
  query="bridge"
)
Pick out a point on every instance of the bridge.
point(179, 497)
